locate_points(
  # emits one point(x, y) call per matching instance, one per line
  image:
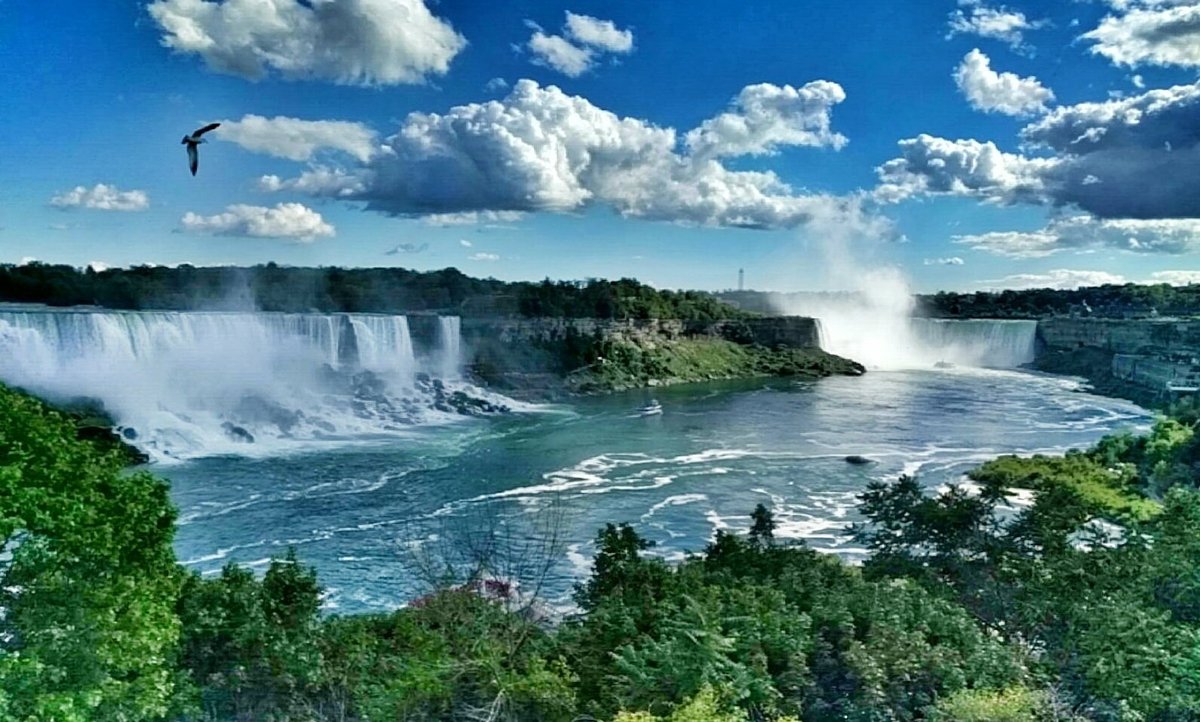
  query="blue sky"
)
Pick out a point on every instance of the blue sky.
point(971, 144)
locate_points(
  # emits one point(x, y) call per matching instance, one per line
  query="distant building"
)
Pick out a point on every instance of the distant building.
point(741, 279)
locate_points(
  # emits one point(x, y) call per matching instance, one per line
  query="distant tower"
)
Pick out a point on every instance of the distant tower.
point(741, 279)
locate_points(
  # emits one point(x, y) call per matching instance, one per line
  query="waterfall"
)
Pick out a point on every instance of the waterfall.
point(384, 344)
point(184, 384)
point(904, 343)
point(450, 345)
point(990, 343)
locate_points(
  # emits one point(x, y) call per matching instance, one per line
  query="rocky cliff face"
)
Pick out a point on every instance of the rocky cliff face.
point(1149, 360)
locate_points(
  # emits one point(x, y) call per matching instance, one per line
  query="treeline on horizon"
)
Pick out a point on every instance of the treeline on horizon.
point(1130, 300)
point(272, 287)
point(964, 610)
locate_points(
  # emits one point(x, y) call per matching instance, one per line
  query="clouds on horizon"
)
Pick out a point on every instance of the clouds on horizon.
point(349, 42)
point(1172, 236)
point(410, 248)
point(286, 220)
point(1060, 279)
point(102, 197)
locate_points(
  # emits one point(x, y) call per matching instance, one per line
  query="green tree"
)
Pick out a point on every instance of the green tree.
point(88, 628)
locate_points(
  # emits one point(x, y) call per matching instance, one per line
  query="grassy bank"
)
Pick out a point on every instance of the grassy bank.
point(621, 365)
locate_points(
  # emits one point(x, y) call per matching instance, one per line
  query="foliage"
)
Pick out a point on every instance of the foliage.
point(704, 707)
point(88, 628)
point(382, 290)
point(1113, 615)
point(967, 609)
point(1108, 301)
point(1112, 489)
point(1015, 704)
point(617, 364)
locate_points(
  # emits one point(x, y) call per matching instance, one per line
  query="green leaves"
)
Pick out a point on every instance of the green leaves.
point(89, 629)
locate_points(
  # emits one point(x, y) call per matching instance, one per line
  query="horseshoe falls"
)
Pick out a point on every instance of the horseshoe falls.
point(190, 384)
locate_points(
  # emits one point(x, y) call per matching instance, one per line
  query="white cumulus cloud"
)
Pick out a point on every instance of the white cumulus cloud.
point(585, 40)
point(1150, 33)
point(540, 149)
point(766, 116)
point(993, 92)
point(349, 42)
point(1007, 26)
point(558, 53)
point(597, 33)
point(297, 139)
point(930, 165)
point(951, 261)
point(285, 220)
point(1063, 279)
point(1176, 278)
point(1135, 157)
point(102, 197)
point(1170, 236)
point(483, 257)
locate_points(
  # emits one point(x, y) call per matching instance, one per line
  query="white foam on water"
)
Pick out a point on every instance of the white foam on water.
point(183, 385)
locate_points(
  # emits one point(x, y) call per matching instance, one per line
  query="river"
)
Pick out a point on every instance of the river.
point(335, 434)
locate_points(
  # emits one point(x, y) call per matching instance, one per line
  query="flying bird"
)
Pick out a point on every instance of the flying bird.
point(193, 142)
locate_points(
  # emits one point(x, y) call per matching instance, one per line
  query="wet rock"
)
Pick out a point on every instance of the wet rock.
point(467, 405)
point(237, 433)
point(859, 460)
point(257, 410)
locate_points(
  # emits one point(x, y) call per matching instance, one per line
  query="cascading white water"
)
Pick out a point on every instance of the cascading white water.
point(384, 344)
point(876, 328)
point(450, 343)
point(196, 383)
point(976, 342)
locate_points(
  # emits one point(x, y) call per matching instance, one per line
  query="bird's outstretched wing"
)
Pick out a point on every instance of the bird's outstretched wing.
point(205, 129)
point(193, 157)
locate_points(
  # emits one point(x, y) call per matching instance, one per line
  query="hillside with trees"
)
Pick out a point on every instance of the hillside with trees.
point(272, 287)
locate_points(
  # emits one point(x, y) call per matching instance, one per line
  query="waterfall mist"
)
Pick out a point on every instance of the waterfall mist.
point(871, 320)
point(183, 384)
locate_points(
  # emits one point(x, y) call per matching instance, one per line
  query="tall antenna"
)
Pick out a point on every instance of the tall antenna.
point(741, 279)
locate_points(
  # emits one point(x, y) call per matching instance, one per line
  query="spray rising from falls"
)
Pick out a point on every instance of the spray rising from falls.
point(874, 325)
point(181, 385)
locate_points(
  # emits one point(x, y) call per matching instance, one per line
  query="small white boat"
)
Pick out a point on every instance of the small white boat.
point(651, 409)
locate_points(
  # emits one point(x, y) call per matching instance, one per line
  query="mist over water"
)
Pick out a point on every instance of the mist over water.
point(182, 385)
point(874, 325)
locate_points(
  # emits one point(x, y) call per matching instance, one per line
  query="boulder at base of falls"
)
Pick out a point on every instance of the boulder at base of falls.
point(237, 433)
point(467, 405)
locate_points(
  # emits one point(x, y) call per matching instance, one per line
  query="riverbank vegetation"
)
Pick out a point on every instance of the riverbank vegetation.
point(272, 287)
point(965, 610)
point(618, 365)
point(1130, 300)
